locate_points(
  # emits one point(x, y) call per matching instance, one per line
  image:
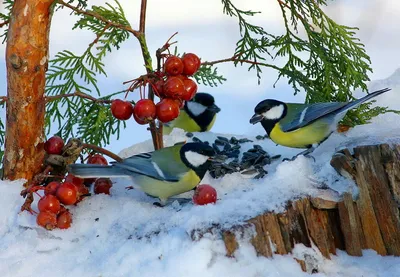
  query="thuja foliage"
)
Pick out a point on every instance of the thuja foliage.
point(321, 56)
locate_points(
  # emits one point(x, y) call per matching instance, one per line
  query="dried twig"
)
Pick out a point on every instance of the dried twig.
point(78, 94)
point(103, 151)
point(99, 17)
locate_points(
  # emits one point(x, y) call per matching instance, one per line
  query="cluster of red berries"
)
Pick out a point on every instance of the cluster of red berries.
point(174, 87)
point(72, 190)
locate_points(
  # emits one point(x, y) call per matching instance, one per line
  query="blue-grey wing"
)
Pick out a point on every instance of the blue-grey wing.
point(158, 165)
point(300, 115)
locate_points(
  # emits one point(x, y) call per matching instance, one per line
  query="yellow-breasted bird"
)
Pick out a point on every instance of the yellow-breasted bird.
point(197, 115)
point(163, 173)
point(303, 125)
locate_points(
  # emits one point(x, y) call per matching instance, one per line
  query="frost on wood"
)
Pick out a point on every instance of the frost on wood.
point(369, 220)
point(27, 44)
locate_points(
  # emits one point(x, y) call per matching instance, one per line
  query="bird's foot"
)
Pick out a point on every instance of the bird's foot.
point(306, 153)
point(181, 201)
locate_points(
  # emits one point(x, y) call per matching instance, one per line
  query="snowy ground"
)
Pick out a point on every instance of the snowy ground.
point(125, 235)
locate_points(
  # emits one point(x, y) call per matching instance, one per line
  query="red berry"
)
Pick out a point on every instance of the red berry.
point(102, 185)
point(47, 220)
point(64, 220)
point(191, 63)
point(181, 103)
point(167, 110)
point(205, 194)
point(138, 120)
point(49, 203)
point(173, 66)
point(190, 89)
point(121, 109)
point(51, 188)
point(97, 159)
point(145, 110)
point(159, 88)
point(70, 178)
point(54, 145)
point(174, 87)
point(67, 193)
point(182, 77)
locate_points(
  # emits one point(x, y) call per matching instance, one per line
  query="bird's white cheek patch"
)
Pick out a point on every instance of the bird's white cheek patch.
point(195, 159)
point(274, 113)
point(196, 108)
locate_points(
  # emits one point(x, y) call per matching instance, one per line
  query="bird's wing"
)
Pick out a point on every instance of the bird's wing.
point(300, 115)
point(164, 164)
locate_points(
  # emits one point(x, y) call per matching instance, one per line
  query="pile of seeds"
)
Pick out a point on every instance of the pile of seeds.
point(252, 161)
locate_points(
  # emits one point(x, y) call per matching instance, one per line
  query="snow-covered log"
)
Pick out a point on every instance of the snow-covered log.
point(368, 220)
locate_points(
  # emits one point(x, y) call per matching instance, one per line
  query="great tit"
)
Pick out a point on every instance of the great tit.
point(197, 115)
point(163, 173)
point(303, 125)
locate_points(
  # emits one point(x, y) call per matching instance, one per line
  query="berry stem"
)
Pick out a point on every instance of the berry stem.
point(103, 151)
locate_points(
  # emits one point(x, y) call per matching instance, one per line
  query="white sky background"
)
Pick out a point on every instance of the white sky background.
point(205, 30)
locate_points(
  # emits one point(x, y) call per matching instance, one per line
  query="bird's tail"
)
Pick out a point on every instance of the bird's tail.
point(358, 102)
point(96, 171)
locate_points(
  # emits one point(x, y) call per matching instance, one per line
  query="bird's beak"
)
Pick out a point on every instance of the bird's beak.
point(218, 158)
point(214, 108)
point(256, 118)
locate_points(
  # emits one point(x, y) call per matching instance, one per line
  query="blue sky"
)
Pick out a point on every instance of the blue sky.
point(203, 29)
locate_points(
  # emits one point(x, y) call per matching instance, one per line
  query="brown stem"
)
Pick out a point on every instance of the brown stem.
point(100, 35)
point(4, 23)
point(3, 99)
point(101, 18)
point(103, 151)
point(142, 23)
point(77, 94)
point(236, 59)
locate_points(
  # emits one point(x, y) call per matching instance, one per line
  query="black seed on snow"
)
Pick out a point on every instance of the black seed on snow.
point(189, 134)
point(259, 137)
point(220, 142)
point(227, 147)
point(235, 147)
point(223, 138)
point(266, 161)
point(195, 139)
point(233, 140)
point(243, 140)
point(275, 157)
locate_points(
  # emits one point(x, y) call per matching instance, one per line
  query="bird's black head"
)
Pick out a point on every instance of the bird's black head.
point(197, 156)
point(269, 112)
point(202, 109)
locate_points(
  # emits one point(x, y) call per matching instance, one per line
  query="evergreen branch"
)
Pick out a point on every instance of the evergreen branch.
point(77, 94)
point(101, 18)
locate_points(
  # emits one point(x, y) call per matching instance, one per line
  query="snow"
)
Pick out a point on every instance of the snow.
point(126, 235)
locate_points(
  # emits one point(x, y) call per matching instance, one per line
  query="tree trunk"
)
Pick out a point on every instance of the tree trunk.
point(26, 61)
point(369, 220)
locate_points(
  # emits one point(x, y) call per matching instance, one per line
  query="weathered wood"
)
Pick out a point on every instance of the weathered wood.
point(349, 225)
point(230, 243)
point(370, 222)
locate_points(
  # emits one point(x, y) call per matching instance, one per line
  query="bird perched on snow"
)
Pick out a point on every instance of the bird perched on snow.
point(303, 125)
point(163, 173)
point(197, 115)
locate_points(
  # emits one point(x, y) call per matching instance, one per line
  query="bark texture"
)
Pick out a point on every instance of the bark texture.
point(26, 60)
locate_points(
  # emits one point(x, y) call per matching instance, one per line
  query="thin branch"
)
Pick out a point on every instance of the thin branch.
point(103, 151)
point(3, 99)
point(4, 23)
point(78, 94)
point(142, 23)
point(101, 18)
point(100, 35)
point(235, 59)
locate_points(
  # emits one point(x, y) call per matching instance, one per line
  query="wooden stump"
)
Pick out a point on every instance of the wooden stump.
point(369, 220)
